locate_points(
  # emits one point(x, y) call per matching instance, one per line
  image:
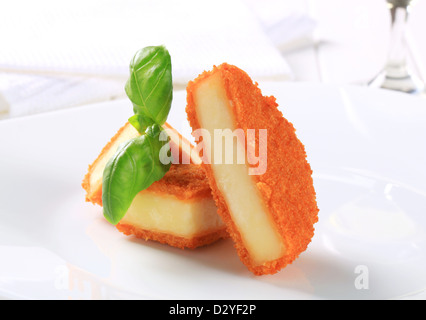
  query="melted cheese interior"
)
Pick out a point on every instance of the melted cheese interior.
point(165, 213)
point(246, 207)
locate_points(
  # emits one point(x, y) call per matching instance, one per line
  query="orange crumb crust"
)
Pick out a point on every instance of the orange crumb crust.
point(172, 240)
point(286, 187)
point(95, 196)
point(187, 182)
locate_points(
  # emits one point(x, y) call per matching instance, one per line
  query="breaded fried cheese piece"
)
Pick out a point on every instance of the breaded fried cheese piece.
point(177, 210)
point(269, 215)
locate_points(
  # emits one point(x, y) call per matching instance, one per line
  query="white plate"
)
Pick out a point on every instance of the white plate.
point(367, 150)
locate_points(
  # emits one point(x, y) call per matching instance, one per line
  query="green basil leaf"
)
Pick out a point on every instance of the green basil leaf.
point(140, 122)
point(149, 86)
point(133, 168)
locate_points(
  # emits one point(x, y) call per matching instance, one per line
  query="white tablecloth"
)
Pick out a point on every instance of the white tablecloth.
point(57, 55)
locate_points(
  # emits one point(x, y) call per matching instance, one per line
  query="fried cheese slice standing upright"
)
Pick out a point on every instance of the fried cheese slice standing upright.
point(269, 213)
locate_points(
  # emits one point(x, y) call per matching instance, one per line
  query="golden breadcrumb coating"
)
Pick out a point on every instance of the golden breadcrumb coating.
point(186, 182)
point(172, 240)
point(286, 187)
point(94, 193)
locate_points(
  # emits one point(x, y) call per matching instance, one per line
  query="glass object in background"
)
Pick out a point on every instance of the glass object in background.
point(397, 75)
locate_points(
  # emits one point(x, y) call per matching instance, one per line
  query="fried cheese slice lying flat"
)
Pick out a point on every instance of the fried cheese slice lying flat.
point(177, 210)
point(269, 215)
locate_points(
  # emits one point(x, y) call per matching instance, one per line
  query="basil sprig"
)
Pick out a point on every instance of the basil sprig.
point(137, 164)
point(150, 87)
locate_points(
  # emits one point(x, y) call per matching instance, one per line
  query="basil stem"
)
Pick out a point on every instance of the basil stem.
point(149, 86)
point(133, 168)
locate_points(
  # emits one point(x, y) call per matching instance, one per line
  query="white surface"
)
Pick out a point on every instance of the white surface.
point(27, 94)
point(348, 45)
point(364, 147)
point(100, 37)
point(58, 55)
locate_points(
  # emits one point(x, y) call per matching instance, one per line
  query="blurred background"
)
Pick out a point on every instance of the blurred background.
point(62, 54)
